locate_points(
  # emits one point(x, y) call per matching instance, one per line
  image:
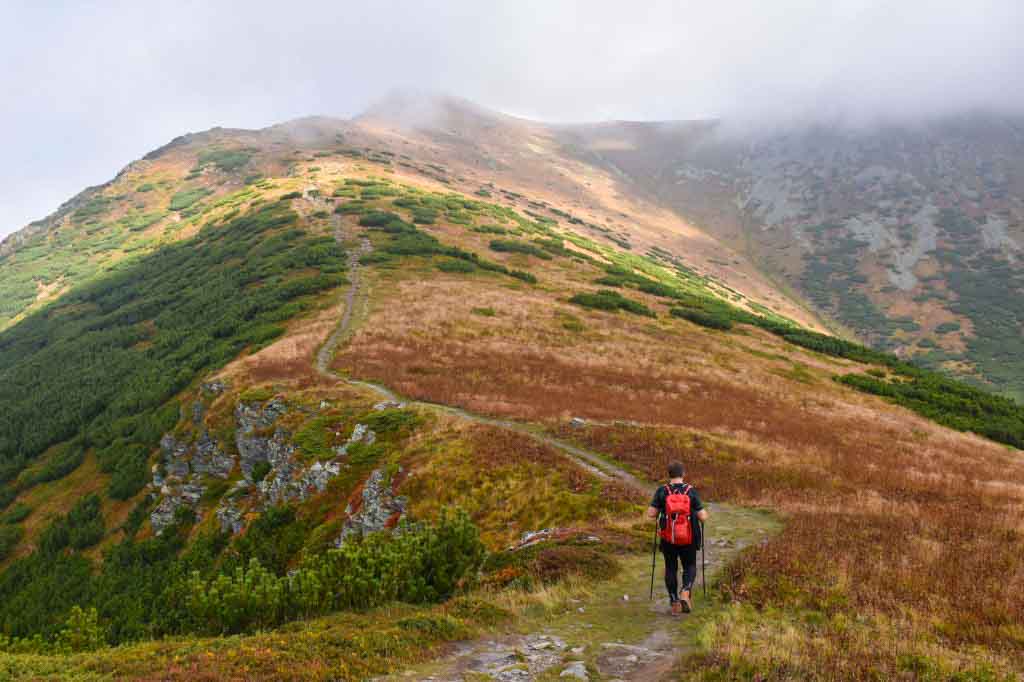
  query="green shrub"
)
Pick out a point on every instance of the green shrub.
point(490, 229)
point(145, 187)
point(379, 219)
point(424, 216)
point(705, 318)
point(454, 265)
point(512, 246)
point(227, 160)
point(423, 563)
point(16, 514)
point(260, 471)
point(10, 536)
point(524, 276)
point(186, 198)
point(605, 299)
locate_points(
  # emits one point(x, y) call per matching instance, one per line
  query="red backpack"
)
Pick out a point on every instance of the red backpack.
point(677, 529)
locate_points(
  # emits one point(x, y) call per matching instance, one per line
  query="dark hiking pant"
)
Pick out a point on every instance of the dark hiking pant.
point(674, 555)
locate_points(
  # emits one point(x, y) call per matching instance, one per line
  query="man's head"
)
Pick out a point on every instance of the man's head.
point(675, 470)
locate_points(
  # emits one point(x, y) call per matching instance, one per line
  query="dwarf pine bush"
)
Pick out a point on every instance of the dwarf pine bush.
point(419, 563)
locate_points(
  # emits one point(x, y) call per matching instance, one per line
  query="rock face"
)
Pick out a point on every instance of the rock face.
point(209, 459)
point(183, 465)
point(254, 449)
point(174, 498)
point(175, 456)
point(379, 506)
point(229, 515)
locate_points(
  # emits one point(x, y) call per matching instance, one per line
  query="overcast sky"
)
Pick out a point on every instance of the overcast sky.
point(89, 86)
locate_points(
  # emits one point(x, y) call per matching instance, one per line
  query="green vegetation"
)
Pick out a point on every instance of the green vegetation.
point(227, 160)
point(606, 299)
point(186, 198)
point(423, 563)
point(405, 239)
point(99, 362)
point(949, 402)
point(454, 265)
point(705, 318)
point(512, 246)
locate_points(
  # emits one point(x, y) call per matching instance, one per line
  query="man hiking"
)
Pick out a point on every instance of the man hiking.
point(678, 509)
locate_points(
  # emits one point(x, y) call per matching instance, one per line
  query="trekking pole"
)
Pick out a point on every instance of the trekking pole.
point(654, 557)
point(703, 562)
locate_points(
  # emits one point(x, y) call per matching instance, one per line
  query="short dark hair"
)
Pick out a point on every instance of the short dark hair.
point(675, 470)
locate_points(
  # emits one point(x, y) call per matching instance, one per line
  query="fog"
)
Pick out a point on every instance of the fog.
point(88, 87)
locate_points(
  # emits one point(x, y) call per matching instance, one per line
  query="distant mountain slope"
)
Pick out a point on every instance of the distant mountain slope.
point(909, 236)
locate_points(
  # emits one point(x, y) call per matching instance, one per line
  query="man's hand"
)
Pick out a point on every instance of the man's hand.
point(702, 515)
point(652, 512)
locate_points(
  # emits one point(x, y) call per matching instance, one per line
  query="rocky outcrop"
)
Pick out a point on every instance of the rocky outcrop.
point(360, 434)
point(209, 460)
point(175, 458)
point(251, 418)
point(229, 515)
point(174, 498)
point(379, 509)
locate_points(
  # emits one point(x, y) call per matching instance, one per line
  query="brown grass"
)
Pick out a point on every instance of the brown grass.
point(923, 534)
point(895, 525)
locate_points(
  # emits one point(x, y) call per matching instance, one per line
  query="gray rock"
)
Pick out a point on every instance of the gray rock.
point(254, 449)
point(229, 516)
point(209, 459)
point(163, 515)
point(198, 412)
point(158, 476)
point(576, 670)
point(379, 504)
point(360, 434)
point(175, 457)
point(213, 387)
point(577, 422)
point(389, 405)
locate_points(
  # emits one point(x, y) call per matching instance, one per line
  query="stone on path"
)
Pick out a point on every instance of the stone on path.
point(576, 670)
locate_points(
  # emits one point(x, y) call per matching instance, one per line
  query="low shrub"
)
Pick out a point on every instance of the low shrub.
point(186, 198)
point(512, 246)
point(705, 318)
point(455, 266)
point(423, 563)
point(605, 299)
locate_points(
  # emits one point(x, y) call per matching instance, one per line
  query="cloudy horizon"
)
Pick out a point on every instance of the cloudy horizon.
point(96, 86)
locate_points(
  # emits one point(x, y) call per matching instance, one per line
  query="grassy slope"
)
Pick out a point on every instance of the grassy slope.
point(757, 420)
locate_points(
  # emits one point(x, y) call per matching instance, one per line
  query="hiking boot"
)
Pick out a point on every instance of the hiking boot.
point(677, 608)
point(684, 602)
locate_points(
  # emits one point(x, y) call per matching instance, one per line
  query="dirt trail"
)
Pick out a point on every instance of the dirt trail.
point(615, 632)
point(590, 461)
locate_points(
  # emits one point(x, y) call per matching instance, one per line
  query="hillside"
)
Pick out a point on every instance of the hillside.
point(253, 355)
point(907, 236)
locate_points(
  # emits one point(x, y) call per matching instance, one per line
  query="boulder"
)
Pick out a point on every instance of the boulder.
point(209, 459)
point(379, 505)
point(175, 455)
point(360, 434)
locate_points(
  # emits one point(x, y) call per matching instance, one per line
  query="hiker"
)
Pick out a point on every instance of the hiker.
point(678, 509)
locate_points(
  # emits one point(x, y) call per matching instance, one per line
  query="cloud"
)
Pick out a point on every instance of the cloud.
point(91, 86)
